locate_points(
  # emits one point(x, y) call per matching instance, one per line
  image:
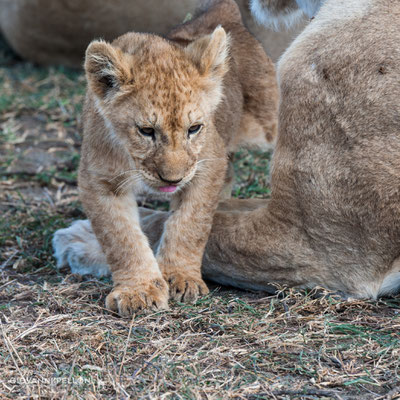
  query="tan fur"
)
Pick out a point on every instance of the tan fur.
point(58, 32)
point(200, 77)
point(333, 219)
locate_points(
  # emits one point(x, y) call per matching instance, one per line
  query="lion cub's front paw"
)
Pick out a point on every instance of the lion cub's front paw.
point(185, 287)
point(129, 298)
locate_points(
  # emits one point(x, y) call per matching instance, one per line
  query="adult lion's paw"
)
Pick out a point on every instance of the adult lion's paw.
point(128, 298)
point(185, 287)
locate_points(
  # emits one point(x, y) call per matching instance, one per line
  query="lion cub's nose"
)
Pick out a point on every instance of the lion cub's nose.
point(174, 182)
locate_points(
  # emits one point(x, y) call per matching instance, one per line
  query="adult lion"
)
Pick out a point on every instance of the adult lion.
point(334, 214)
point(58, 31)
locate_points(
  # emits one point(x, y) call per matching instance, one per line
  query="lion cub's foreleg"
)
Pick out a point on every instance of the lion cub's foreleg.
point(186, 231)
point(138, 282)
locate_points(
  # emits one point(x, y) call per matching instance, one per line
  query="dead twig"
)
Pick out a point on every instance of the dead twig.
point(7, 262)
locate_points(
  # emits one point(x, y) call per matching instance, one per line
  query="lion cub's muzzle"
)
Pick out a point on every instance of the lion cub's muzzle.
point(169, 181)
point(170, 170)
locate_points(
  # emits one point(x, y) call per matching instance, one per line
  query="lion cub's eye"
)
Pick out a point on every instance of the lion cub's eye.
point(146, 131)
point(194, 129)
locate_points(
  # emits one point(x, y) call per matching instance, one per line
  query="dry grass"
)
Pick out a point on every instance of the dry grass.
point(57, 341)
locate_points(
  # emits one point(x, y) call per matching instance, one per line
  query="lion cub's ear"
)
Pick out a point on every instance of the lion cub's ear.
point(211, 56)
point(106, 68)
point(210, 53)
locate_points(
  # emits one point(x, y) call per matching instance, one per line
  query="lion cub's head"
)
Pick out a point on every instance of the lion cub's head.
point(158, 99)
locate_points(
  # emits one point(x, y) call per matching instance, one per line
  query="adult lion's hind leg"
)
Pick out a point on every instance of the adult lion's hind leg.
point(250, 248)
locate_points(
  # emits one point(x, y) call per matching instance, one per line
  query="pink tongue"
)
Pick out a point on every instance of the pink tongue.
point(167, 189)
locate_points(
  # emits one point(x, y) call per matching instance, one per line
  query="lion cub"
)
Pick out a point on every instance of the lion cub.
point(161, 116)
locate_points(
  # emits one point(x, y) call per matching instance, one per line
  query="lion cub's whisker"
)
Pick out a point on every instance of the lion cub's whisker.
point(123, 173)
point(205, 159)
point(126, 182)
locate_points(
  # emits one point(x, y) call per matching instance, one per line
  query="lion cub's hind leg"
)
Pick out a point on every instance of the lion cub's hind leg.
point(254, 135)
point(226, 192)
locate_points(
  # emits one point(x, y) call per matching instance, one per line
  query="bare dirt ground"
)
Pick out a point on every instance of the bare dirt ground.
point(58, 341)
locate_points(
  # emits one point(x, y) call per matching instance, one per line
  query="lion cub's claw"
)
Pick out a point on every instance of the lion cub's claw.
point(126, 299)
point(186, 288)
